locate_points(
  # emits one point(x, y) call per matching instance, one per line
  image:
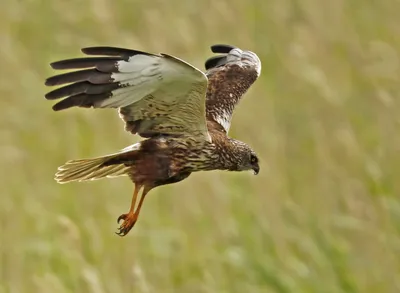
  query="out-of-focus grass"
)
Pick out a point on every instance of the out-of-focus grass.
point(322, 216)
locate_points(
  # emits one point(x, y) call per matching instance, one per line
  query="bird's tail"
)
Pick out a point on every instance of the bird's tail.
point(96, 168)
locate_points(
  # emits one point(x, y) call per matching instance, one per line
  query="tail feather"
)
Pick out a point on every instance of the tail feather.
point(96, 168)
point(88, 169)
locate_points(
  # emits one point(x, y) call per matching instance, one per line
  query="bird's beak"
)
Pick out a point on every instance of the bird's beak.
point(256, 169)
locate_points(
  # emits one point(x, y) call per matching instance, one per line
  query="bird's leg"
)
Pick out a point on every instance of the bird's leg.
point(131, 217)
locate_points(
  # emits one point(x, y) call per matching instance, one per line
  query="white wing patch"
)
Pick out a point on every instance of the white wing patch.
point(138, 63)
point(224, 120)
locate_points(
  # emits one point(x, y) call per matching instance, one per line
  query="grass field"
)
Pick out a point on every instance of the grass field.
point(322, 216)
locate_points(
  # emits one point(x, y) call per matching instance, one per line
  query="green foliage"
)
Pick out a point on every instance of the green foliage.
point(322, 216)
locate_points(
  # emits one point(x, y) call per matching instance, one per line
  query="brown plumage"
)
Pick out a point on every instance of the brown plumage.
point(183, 113)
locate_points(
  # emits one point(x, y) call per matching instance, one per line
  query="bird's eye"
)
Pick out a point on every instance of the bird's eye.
point(253, 159)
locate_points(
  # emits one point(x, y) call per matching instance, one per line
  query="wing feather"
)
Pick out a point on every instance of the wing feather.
point(230, 76)
point(99, 63)
point(113, 51)
point(155, 94)
point(221, 48)
point(215, 62)
point(91, 75)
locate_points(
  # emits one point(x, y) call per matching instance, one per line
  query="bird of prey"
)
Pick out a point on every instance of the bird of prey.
point(184, 115)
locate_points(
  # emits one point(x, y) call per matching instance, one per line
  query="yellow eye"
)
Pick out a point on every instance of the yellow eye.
point(253, 159)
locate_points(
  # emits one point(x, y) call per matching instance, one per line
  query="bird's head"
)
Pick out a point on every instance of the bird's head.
point(247, 158)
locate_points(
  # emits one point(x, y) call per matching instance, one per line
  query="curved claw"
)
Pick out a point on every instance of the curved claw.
point(122, 217)
point(120, 233)
point(126, 226)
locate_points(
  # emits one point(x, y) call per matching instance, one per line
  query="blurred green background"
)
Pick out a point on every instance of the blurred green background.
point(322, 216)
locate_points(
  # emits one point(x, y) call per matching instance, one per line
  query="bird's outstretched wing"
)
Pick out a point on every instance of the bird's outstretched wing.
point(155, 94)
point(229, 76)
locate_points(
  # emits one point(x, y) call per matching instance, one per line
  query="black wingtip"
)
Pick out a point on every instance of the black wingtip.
point(48, 82)
point(57, 64)
point(113, 51)
point(221, 48)
point(58, 107)
point(215, 61)
point(80, 100)
point(64, 104)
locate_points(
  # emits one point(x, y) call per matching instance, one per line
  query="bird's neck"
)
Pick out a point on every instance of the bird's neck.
point(224, 152)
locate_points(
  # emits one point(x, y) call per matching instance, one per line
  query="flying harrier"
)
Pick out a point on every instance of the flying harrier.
point(183, 113)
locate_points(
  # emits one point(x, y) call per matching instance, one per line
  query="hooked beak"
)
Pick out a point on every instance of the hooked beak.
point(256, 169)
